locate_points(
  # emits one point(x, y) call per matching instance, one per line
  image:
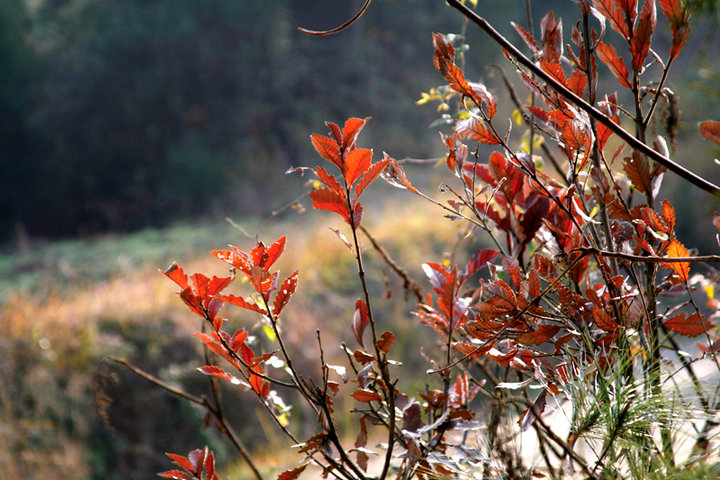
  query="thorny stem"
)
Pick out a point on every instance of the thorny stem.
point(579, 102)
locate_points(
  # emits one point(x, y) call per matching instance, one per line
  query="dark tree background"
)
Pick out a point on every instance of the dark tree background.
point(121, 114)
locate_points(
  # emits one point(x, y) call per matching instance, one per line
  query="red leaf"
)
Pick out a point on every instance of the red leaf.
point(473, 129)
point(180, 461)
point(326, 199)
point(335, 132)
point(638, 171)
point(458, 395)
point(329, 180)
point(370, 175)
point(443, 49)
point(271, 254)
point(176, 274)
point(511, 266)
point(455, 77)
point(352, 128)
point(607, 55)
point(362, 357)
point(284, 293)
point(672, 9)
point(197, 457)
point(615, 15)
point(710, 129)
point(678, 16)
point(603, 320)
point(691, 326)
point(365, 395)
point(210, 467)
point(642, 37)
point(242, 303)
point(529, 40)
point(176, 474)
point(551, 38)
point(360, 320)
point(668, 213)
point(327, 148)
point(356, 163)
point(292, 474)
point(236, 258)
point(577, 82)
point(386, 342)
point(215, 371)
point(542, 335)
point(480, 260)
point(555, 70)
point(681, 269)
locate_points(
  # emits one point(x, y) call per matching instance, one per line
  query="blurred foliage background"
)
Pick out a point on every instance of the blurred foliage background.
point(125, 117)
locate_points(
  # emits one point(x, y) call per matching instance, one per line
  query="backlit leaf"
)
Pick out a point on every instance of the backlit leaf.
point(327, 149)
point(386, 342)
point(616, 17)
point(326, 199)
point(691, 326)
point(284, 293)
point(527, 38)
point(607, 55)
point(603, 320)
point(176, 474)
point(473, 129)
point(542, 335)
point(638, 171)
point(292, 474)
point(365, 395)
point(681, 269)
point(360, 320)
point(272, 253)
point(370, 175)
point(215, 371)
point(356, 163)
point(176, 274)
point(668, 213)
point(642, 37)
point(242, 303)
point(350, 131)
point(710, 129)
point(395, 175)
point(329, 180)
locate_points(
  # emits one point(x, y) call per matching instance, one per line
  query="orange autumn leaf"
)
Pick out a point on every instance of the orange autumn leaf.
point(710, 129)
point(681, 269)
point(365, 395)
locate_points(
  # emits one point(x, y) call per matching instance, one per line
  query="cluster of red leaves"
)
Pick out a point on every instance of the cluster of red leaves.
point(504, 319)
point(204, 298)
point(357, 171)
point(198, 465)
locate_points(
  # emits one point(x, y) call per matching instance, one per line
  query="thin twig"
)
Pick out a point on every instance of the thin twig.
point(341, 27)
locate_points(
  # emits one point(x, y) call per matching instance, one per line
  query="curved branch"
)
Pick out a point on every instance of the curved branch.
point(579, 102)
point(341, 27)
